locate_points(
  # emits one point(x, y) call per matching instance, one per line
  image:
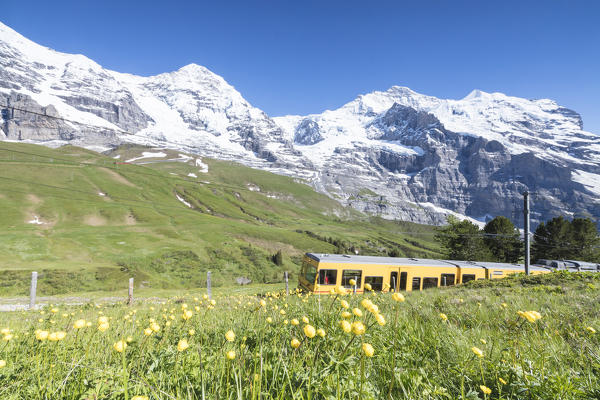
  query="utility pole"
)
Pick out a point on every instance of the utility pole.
point(526, 229)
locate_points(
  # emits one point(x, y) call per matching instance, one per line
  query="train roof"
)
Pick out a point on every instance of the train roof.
point(354, 259)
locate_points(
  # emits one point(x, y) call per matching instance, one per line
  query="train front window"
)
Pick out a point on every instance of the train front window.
point(327, 276)
point(310, 272)
point(468, 278)
point(447, 279)
point(429, 283)
point(348, 274)
point(376, 282)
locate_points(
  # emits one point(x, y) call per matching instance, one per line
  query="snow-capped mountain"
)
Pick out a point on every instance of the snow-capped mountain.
point(396, 153)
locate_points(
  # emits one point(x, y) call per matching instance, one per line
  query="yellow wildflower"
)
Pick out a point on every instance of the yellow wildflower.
point(187, 314)
point(155, 327)
point(2, 363)
point(485, 389)
point(147, 331)
point(309, 331)
point(502, 381)
point(368, 349)
point(477, 351)
point(483, 341)
point(341, 290)
point(368, 286)
point(80, 323)
point(358, 328)
point(590, 330)
point(269, 320)
point(230, 336)
point(346, 314)
point(182, 345)
point(295, 343)
point(120, 346)
point(192, 332)
point(231, 355)
point(295, 322)
point(103, 326)
point(398, 297)
point(444, 317)
point(41, 335)
point(357, 312)
point(380, 319)
point(352, 282)
point(344, 304)
point(139, 398)
point(346, 327)
point(321, 332)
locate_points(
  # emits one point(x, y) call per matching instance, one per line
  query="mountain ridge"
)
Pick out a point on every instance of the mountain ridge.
point(423, 157)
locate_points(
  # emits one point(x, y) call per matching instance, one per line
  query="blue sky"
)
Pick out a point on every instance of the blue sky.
point(307, 56)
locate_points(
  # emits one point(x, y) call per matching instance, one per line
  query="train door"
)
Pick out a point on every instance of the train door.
point(394, 281)
point(403, 279)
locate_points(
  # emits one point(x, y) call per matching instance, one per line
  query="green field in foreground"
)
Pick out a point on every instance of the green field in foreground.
point(86, 223)
point(464, 342)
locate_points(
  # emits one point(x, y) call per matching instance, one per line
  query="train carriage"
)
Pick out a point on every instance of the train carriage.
point(322, 272)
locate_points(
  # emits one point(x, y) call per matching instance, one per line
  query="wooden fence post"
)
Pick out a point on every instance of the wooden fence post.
point(130, 301)
point(208, 286)
point(287, 287)
point(32, 290)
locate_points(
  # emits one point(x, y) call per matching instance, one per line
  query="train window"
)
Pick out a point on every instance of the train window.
point(327, 276)
point(468, 278)
point(348, 274)
point(447, 280)
point(403, 280)
point(310, 272)
point(429, 283)
point(376, 282)
point(416, 284)
point(394, 281)
point(497, 273)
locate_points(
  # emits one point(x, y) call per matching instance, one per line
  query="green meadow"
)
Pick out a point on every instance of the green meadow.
point(87, 223)
point(516, 338)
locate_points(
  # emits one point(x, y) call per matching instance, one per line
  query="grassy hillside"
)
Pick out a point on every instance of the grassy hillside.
point(86, 222)
point(465, 342)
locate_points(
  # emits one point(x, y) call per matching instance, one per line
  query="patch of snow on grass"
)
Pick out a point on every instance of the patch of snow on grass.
point(181, 199)
point(35, 221)
point(191, 174)
point(203, 167)
point(148, 154)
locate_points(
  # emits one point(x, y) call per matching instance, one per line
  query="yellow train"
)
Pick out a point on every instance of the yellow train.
point(397, 274)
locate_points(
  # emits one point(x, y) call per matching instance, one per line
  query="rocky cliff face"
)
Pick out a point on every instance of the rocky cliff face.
point(398, 154)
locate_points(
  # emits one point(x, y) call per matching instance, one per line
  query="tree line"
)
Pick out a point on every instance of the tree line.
point(500, 240)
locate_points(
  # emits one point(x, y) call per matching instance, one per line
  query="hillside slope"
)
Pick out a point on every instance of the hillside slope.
point(88, 221)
